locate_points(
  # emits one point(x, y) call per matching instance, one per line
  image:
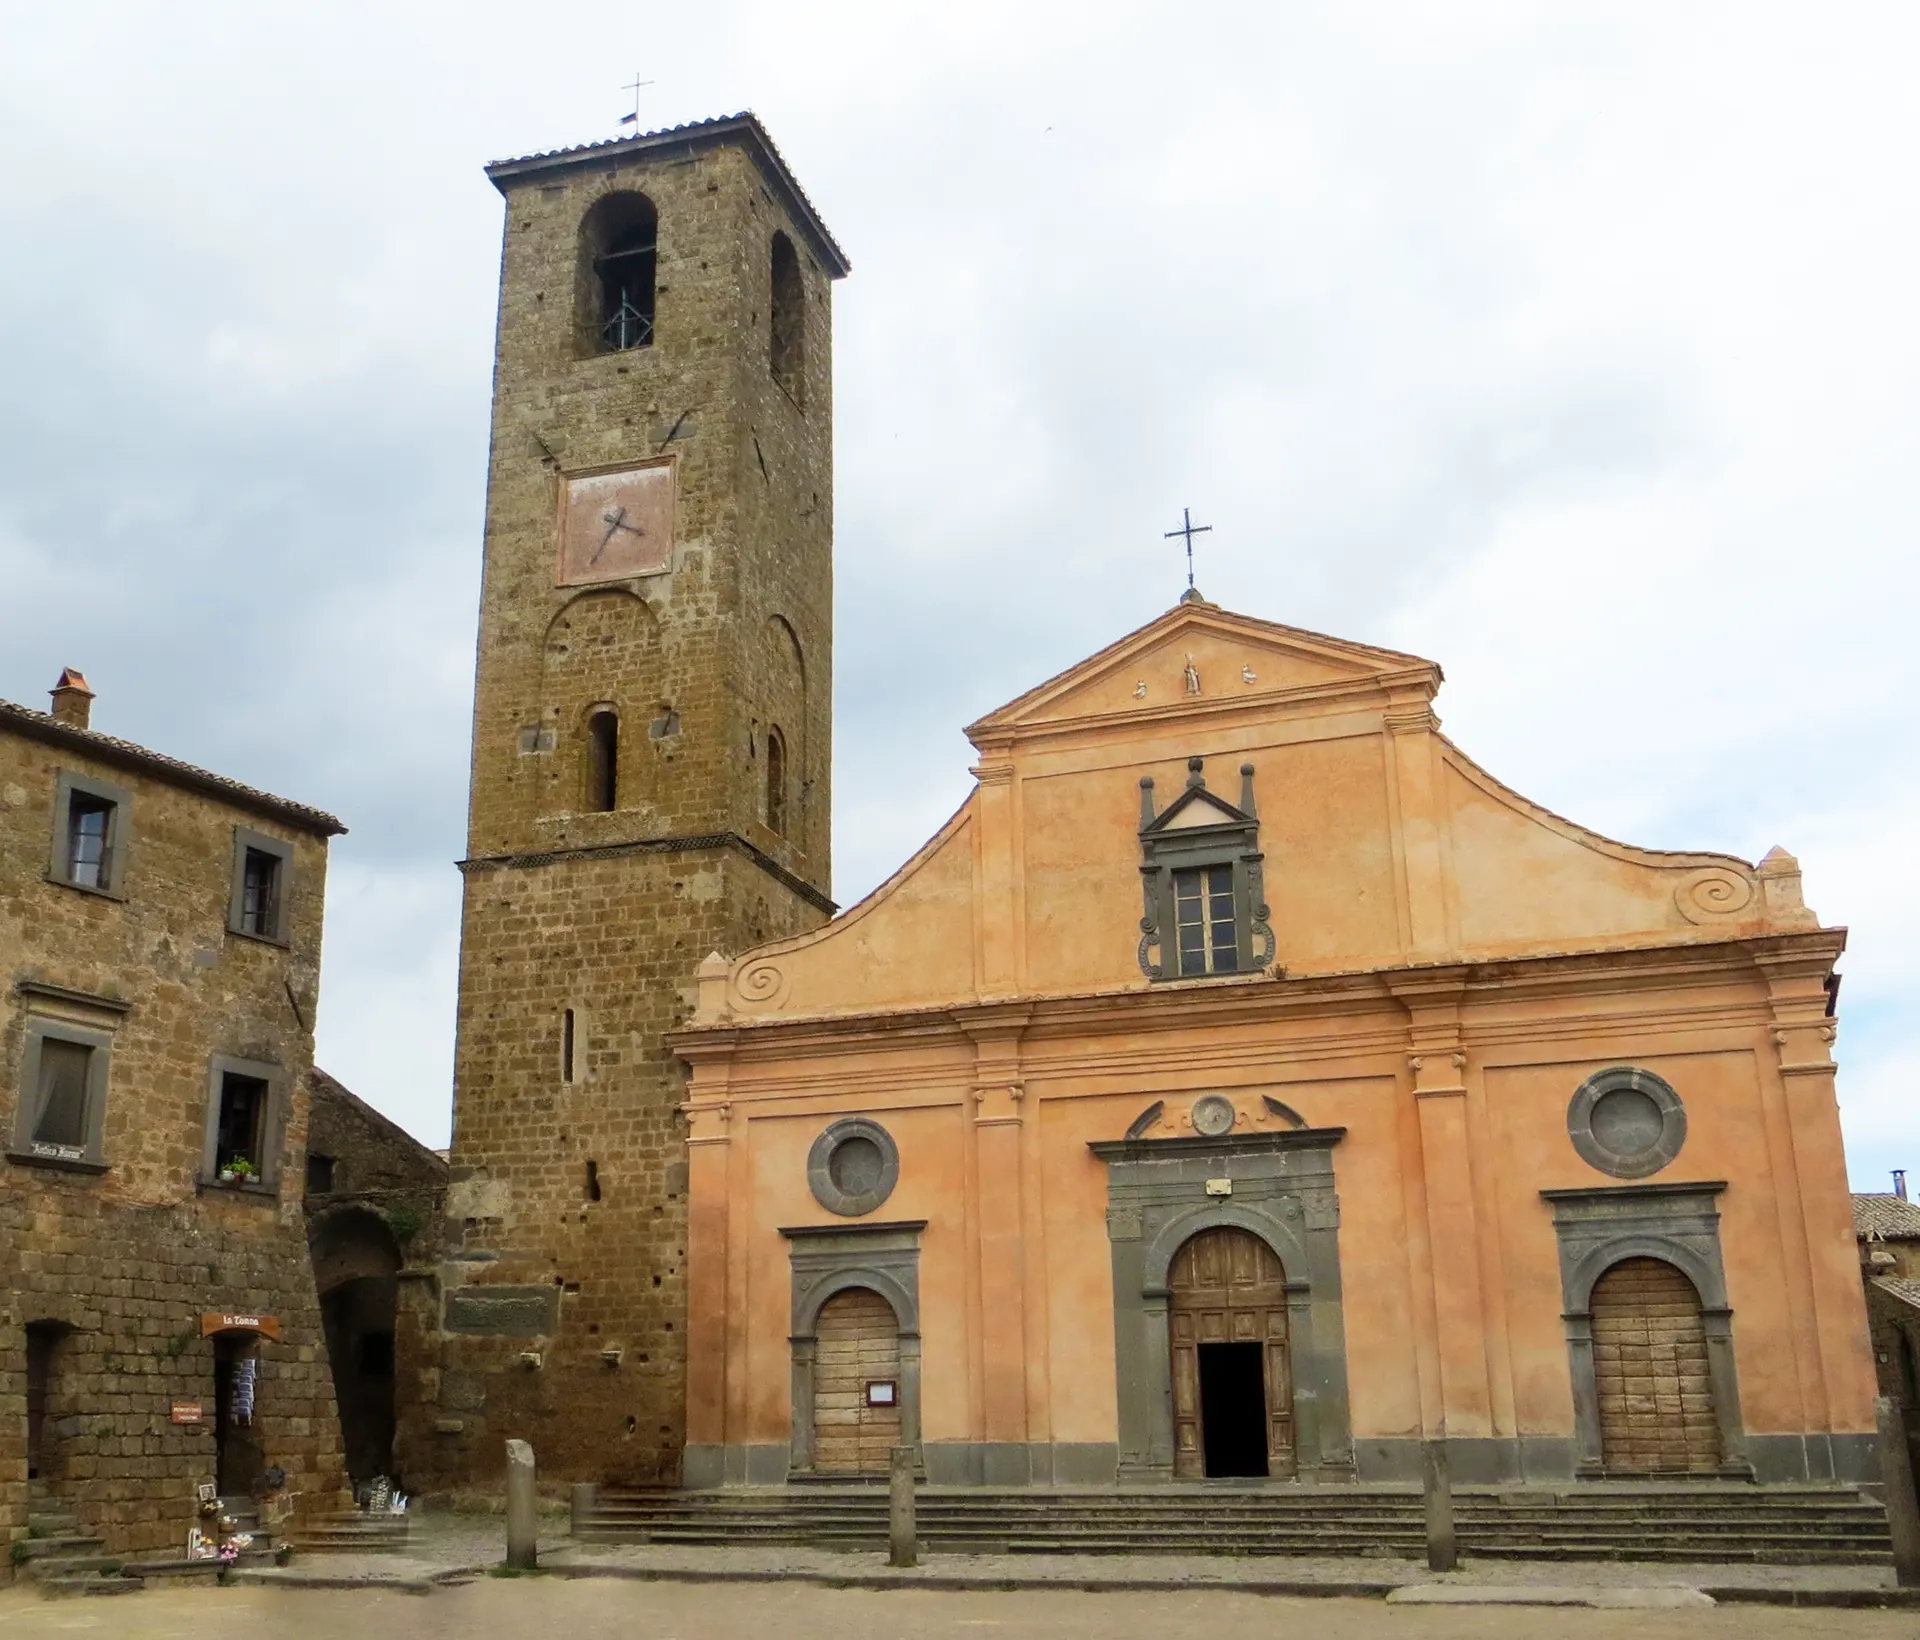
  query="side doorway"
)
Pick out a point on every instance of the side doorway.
point(1231, 1366)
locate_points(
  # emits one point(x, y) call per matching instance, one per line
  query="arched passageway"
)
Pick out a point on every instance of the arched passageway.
point(356, 1268)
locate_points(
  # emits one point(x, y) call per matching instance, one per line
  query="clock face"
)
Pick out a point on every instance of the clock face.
point(613, 525)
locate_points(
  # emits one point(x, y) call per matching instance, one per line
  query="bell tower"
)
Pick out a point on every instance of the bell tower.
point(651, 760)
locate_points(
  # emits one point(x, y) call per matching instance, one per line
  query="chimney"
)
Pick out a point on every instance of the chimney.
point(72, 699)
point(1900, 1182)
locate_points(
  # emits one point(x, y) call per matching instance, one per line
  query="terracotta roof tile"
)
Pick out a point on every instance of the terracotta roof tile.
point(1887, 1217)
point(772, 162)
point(124, 753)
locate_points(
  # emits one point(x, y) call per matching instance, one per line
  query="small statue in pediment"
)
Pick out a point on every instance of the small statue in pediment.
point(1193, 677)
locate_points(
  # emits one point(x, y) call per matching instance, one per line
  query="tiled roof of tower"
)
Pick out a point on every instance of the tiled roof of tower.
point(694, 134)
point(1887, 1217)
point(125, 754)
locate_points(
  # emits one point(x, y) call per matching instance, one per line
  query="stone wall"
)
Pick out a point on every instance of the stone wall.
point(564, 1311)
point(120, 1254)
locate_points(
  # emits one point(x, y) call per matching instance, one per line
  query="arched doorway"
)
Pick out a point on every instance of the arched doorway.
point(1231, 1370)
point(1651, 1371)
point(356, 1270)
point(856, 1384)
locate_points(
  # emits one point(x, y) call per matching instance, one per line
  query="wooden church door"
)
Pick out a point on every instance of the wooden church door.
point(1650, 1370)
point(1232, 1376)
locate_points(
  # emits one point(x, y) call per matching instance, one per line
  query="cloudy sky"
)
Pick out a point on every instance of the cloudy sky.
point(1573, 345)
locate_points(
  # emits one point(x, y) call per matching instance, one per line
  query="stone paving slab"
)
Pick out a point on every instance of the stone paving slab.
point(1494, 1594)
point(450, 1548)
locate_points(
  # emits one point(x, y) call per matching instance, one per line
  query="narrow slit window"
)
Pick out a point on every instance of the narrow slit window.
point(787, 331)
point(320, 1170)
point(593, 1181)
point(260, 894)
point(566, 1046)
point(89, 840)
point(66, 1069)
point(241, 1134)
point(603, 761)
point(1206, 934)
point(776, 782)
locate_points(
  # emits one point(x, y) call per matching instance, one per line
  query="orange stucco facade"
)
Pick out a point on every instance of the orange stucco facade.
point(1401, 1063)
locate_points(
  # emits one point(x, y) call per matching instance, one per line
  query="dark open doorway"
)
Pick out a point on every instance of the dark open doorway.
point(43, 1343)
point(239, 1460)
point(1233, 1408)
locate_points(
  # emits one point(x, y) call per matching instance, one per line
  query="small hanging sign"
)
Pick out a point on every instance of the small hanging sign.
point(214, 1321)
point(883, 1392)
point(188, 1412)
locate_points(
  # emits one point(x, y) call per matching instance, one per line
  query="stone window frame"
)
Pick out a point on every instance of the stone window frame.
point(98, 1038)
point(1638, 1164)
point(1284, 1193)
point(830, 1259)
point(1678, 1224)
point(273, 1125)
point(1231, 840)
point(245, 838)
point(820, 1180)
point(119, 832)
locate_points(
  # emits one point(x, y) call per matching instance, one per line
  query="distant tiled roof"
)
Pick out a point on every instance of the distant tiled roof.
point(1886, 1217)
point(695, 134)
point(324, 1084)
point(1908, 1292)
point(124, 754)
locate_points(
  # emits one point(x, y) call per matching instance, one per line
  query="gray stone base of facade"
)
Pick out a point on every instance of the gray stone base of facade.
point(1486, 1461)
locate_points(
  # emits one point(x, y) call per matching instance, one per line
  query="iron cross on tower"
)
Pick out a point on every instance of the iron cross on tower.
point(1189, 529)
point(636, 88)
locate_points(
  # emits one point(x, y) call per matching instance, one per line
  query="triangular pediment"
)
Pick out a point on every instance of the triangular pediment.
point(1198, 657)
point(1196, 807)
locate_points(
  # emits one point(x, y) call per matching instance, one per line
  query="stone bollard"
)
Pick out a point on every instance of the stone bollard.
point(586, 1499)
point(523, 1519)
point(1896, 1471)
point(1438, 1488)
point(902, 1547)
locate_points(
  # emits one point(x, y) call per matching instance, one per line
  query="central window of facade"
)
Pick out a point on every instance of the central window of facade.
point(1206, 930)
point(1201, 878)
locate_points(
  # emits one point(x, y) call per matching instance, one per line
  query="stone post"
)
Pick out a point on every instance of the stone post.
point(1896, 1470)
point(523, 1520)
point(1436, 1484)
point(902, 1545)
point(586, 1499)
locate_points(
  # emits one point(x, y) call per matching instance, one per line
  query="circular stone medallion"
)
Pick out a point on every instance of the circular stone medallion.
point(1213, 1116)
point(853, 1166)
point(1627, 1122)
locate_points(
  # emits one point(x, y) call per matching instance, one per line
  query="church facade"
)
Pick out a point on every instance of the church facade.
point(1244, 1082)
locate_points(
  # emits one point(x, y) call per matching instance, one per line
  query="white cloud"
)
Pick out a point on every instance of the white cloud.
point(1570, 345)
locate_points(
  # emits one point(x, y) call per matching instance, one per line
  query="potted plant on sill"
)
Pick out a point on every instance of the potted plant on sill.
point(236, 1170)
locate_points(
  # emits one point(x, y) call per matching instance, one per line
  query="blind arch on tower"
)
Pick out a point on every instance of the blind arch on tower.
point(787, 332)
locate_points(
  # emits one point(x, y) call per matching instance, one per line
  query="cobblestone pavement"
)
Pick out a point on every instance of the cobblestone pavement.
point(615, 1609)
point(447, 1543)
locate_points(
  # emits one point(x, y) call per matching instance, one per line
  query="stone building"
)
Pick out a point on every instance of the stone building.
point(651, 763)
point(1888, 1229)
point(1246, 1083)
point(160, 950)
point(375, 1203)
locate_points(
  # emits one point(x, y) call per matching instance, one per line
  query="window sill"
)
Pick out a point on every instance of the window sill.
point(275, 940)
point(254, 1192)
point(1239, 976)
point(59, 1164)
point(86, 888)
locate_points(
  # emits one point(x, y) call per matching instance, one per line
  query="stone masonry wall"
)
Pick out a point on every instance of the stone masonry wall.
point(564, 1311)
point(128, 1256)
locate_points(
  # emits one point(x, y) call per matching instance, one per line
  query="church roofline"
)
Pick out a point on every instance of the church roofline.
point(743, 128)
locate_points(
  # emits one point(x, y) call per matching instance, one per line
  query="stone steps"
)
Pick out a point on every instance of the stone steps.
point(354, 1534)
point(1705, 1522)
